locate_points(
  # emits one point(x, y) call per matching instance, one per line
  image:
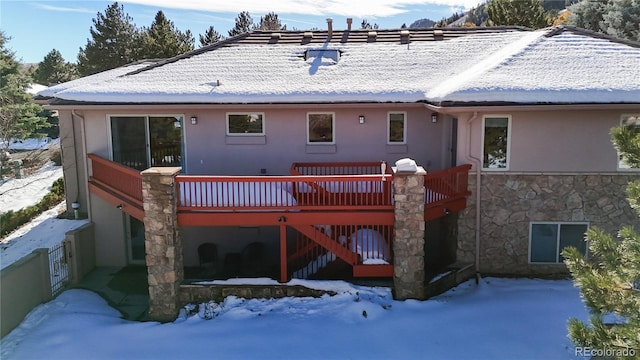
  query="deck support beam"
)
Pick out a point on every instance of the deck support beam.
point(408, 243)
point(284, 276)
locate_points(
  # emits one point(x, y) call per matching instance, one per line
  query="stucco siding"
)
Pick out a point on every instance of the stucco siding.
point(111, 243)
point(552, 141)
point(209, 150)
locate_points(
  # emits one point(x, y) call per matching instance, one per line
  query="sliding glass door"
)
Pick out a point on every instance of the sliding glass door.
point(141, 142)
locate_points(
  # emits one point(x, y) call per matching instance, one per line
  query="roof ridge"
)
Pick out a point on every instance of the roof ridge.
point(490, 62)
point(557, 30)
point(189, 54)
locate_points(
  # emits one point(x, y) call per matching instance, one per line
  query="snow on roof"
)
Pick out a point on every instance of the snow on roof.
point(33, 89)
point(544, 66)
point(92, 79)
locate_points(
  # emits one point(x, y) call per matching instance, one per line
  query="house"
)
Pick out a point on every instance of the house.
point(277, 147)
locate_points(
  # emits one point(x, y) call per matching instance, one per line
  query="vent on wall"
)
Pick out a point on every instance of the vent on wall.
point(333, 54)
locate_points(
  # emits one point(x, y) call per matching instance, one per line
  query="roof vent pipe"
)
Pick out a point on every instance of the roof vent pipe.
point(330, 26)
point(349, 22)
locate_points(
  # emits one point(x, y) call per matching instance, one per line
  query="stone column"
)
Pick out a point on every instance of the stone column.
point(408, 244)
point(162, 242)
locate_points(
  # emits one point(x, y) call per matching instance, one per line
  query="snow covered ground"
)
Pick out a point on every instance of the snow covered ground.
point(16, 194)
point(44, 231)
point(497, 319)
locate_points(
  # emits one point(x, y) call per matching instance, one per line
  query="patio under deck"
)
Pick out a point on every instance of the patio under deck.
point(341, 212)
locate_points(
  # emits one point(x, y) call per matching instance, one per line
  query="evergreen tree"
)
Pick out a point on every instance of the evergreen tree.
point(270, 22)
point(18, 114)
point(622, 19)
point(366, 26)
point(609, 281)
point(529, 13)
point(243, 24)
point(619, 18)
point(113, 42)
point(211, 36)
point(163, 40)
point(54, 70)
point(588, 15)
point(477, 15)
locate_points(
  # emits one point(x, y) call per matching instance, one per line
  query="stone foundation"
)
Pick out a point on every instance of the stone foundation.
point(195, 294)
point(511, 201)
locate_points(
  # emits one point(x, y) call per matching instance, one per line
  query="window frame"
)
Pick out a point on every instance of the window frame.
point(620, 166)
point(404, 128)
point(482, 149)
point(333, 128)
point(246, 113)
point(180, 117)
point(558, 250)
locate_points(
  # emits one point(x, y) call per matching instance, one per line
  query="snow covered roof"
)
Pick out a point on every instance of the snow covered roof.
point(555, 65)
point(33, 89)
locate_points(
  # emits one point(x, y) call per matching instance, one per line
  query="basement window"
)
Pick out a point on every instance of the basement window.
point(548, 239)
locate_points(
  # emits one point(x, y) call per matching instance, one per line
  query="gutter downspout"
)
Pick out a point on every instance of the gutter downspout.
point(477, 164)
point(84, 161)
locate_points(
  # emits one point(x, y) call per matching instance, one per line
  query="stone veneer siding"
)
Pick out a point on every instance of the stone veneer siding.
point(408, 242)
point(163, 243)
point(511, 201)
point(196, 294)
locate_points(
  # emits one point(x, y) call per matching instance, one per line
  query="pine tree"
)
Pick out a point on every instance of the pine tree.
point(529, 13)
point(54, 70)
point(163, 40)
point(619, 18)
point(18, 115)
point(366, 26)
point(270, 22)
point(211, 36)
point(243, 24)
point(113, 42)
point(588, 14)
point(622, 19)
point(609, 281)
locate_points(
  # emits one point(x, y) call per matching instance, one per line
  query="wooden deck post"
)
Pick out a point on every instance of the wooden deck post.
point(408, 244)
point(162, 242)
point(284, 276)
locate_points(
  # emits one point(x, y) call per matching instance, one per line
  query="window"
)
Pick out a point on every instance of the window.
point(633, 123)
point(143, 141)
point(495, 146)
point(245, 124)
point(320, 128)
point(547, 240)
point(396, 129)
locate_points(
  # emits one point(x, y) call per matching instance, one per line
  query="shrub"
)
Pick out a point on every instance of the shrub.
point(56, 157)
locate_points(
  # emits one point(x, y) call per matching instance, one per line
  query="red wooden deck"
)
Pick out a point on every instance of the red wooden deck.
point(351, 201)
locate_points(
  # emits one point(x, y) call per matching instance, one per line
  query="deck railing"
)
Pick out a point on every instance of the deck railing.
point(339, 168)
point(446, 185)
point(238, 193)
point(123, 180)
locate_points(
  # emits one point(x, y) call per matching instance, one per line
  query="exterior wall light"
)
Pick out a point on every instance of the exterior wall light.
point(194, 120)
point(361, 119)
point(434, 118)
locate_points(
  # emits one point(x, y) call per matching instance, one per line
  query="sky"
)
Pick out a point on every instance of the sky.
point(36, 27)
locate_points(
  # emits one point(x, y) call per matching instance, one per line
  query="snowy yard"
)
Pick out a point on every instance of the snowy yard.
point(45, 230)
point(497, 319)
